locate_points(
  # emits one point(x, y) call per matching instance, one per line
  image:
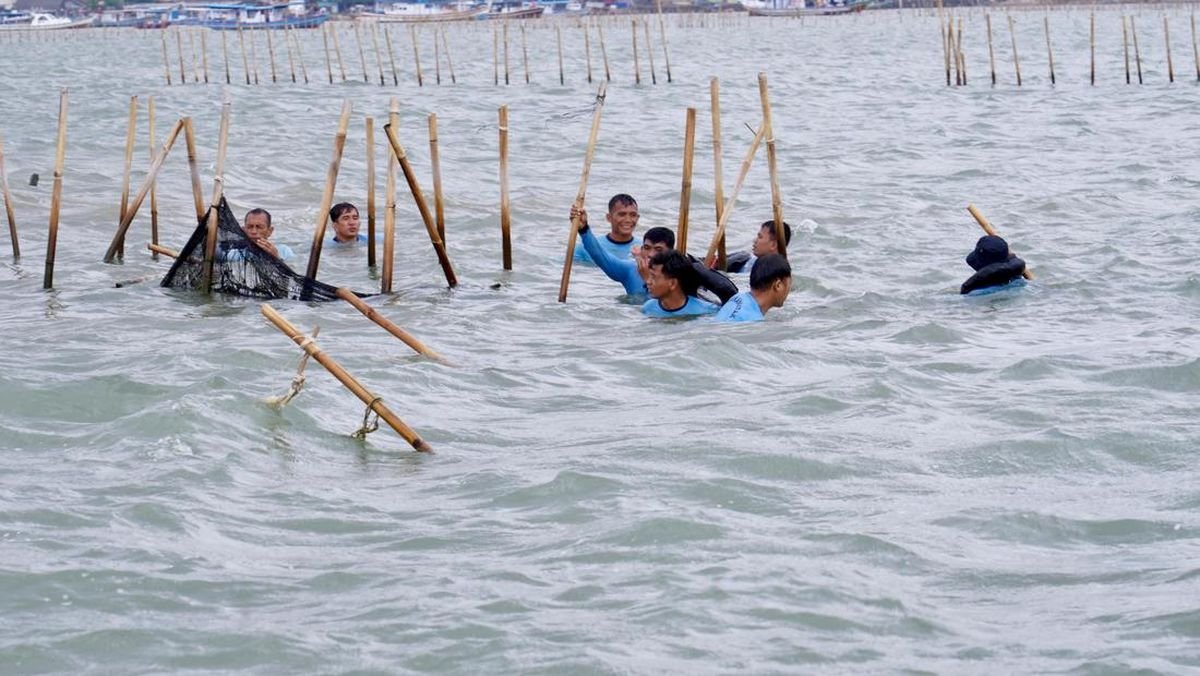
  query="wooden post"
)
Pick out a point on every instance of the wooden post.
point(387, 325)
point(412, 32)
point(225, 51)
point(945, 42)
point(189, 135)
point(987, 228)
point(685, 191)
point(437, 57)
point(776, 198)
point(415, 188)
point(389, 214)
point(161, 156)
point(362, 56)
point(192, 54)
point(439, 207)
point(587, 49)
point(339, 143)
point(1016, 57)
point(387, 38)
point(449, 61)
point(495, 56)
point(727, 210)
point(662, 31)
point(245, 58)
point(950, 35)
point(505, 215)
point(210, 244)
point(958, 50)
point(714, 89)
point(328, 63)
point(60, 157)
point(271, 57)
point(204, 53)
point(603, 52)
point(637, 67)
point(1049, 50)
point(370, 133)
point(299, 55)
point(524, 52)
point(350, 382)
point(505, 31)
point(166, 57)
point(130, 138)
point(1195, 51)
point(1137, 53)
point(337, 50)
point(8, 205)
point(650, 53)
point(558, 37)
point(1092, 47)
point(1167, 41)
point(153, 191)
point(287, 45)
point(582, 193)
point(991, 54)
point(179, 53)
point(1125, 44)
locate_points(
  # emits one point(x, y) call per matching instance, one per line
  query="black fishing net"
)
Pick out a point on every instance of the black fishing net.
point(240, 266)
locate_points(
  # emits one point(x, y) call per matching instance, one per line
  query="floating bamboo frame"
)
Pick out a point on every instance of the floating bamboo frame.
point(350, 382)
point(988, 229)
point(339, 144)
point(415, 188)
point(581, 195)
point(60, 157)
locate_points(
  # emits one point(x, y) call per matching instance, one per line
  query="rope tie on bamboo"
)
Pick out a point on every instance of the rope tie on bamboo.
point(369, 423)
point(297, 380)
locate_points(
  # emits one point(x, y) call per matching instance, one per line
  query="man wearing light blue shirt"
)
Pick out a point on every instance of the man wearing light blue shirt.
point(623, 218)
point(672, 283)
point(770, 284)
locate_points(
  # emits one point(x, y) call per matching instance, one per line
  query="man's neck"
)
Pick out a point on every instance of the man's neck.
point(764, 300)
point(616, 239)
point(673, 302)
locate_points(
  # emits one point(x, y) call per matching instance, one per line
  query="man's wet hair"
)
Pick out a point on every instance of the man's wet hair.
point(659, 235)
point(677, 266)
point(767, 269)
point(256, 212)
point(787, 230)
point(339, 209)
point(622, 200)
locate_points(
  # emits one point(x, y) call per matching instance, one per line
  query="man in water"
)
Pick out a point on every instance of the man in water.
point(993, 263)
point(672, 284)
point(622, 217)
point(770, 284)
point(764, 243)
point(345, 225)
point(258, 228)
point(632, 273)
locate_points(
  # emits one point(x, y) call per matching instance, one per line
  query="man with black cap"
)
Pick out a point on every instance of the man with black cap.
point(992, 263)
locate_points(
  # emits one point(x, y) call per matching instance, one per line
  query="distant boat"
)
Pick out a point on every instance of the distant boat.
point(420, 12)
point(39, 21)
point(801, 10)
point(235, 16)
point(513, 9)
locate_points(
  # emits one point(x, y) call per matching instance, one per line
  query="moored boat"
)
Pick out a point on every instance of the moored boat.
point(40, 21)
point(800, 10)
point(421, 12)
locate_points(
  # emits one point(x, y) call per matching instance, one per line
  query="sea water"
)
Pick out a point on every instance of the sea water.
point(882, 476)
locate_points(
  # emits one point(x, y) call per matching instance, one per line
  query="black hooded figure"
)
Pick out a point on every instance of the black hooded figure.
point(992, 263)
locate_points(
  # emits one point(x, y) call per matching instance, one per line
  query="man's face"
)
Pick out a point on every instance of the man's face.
point(650, 249)
point(623, 219)
point(658, 285)
point(257, 227)
point(764, 243)
point(346, 226)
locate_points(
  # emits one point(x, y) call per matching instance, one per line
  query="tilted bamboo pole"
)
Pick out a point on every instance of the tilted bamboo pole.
point(245, 57)
point(179, 53)
point(271, 56)
point(287, 45)
point(60, 157)
point(337, 50)
point(159, 158)
point(505, 213)
point(435, 166)
point(130, 139)
point(1137, 53)
point(166, 57)
point(1016, 57)
point(1092, 47)
point(1125, 44)
point(1049, 50)
point(495, 56)
point(155, 250)
point(362, 56)
point(387, 325)
point(714, 88)
point(254, 56)
point(437, 57)
point(225, 51)
point(637, 68)
point(387, 38)
point(587, 49)
point(204, 53)
point(558, 38)
point(988, 229)
point(449, 61)
point(370, 139)
point(8, 205)
point(1167, 41)
point(662, 31)
point(153, 191)
point(685, 191)
point(776, 197)
point(505, 33)
point(603, 51)
point(350, 382)
point(727, 210)
point(328, 63)
point(524, 52)
point(339, 143)
point(650, 53)
point(415, 188)
point(210, 244)
point(300, 56)
point(412, 33)
point(565, 282)
point(1195, 51)
point(389, 215)
point(991, 53)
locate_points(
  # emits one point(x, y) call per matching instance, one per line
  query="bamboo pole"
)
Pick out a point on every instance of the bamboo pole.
point(524, 52)
point(495, 56)
point(389, 215)
point(1125, 44)
point(370, 132)
point(951, 35)
point(727, 210)
point(945, 42)
point(328, 63)
point(1137, 53)
point(387, 38)
point(159, 158)
point(166, 56)
point(225, 51)
point(637, 67)
point(204, 53)
point(155, 250)
point(362, 55)
point(130, 139)
point(192, 54)
point(350, 382)
point(1167, 42)
point(714, 89)
point(287, 43)
point(189, 135)
point(662, 31)
point(650, 53)
point(254, 56)
point(558, 37)
point(60, 157)
point(685, 191)
point(991, 53)
point(437, 58)
point(387, 325)
point(958, 50)
point(505, 213)
point(210, 244)
point(505, 32)
point(449, 61)
point(587, 49)
point(603, 52)
point(245, 58)
point(179, 53)
point(439, 207)
point(153, 191)
point(582, 193)
point(415, 188)
point(1092, 48)
point(412, 33)
point(1049, 50)
point(1195, 51)
point(337, 50)
point(1016, 57)
point(776, 197)
point(271, 56)
point(987, 228)
point(339, 143)
point(8, 205)
point(299, 56)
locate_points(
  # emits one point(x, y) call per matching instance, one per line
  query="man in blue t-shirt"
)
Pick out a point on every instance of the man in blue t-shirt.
point(344, 216)
point(258, 229)
point(765, 242)
point(672, 284)
point(623, 217)
point(770, 283)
